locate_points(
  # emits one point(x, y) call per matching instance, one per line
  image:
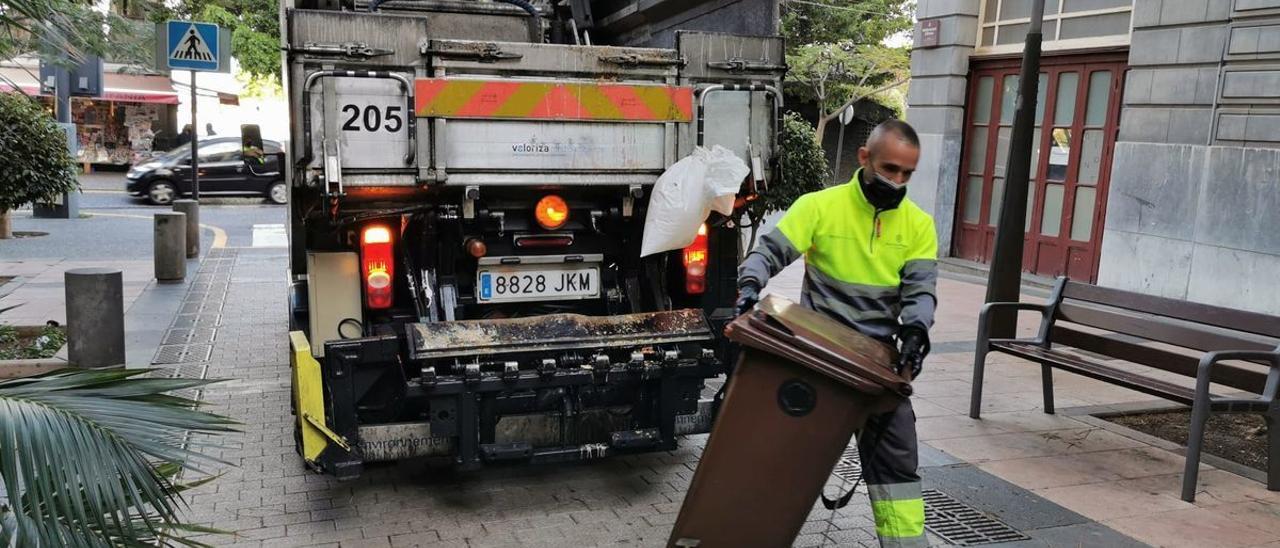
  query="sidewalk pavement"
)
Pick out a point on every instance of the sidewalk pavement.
point(1065, 480)
point(1120, 478)
point(37, 293)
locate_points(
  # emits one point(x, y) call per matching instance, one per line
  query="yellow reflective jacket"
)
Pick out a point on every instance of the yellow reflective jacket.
point(873, 270)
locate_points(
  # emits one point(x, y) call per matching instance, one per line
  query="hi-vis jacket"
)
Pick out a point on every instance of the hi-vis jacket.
point(868, 268)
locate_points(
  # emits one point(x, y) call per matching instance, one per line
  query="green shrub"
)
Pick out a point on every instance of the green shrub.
point(804, 170)
point(35, 165)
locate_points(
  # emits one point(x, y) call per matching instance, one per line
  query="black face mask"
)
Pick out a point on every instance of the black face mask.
point(881, 193)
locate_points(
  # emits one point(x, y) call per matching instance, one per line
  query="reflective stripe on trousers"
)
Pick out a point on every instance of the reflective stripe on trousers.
point(888, 450)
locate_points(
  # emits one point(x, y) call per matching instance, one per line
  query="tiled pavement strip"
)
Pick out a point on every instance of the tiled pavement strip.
point(268, 499)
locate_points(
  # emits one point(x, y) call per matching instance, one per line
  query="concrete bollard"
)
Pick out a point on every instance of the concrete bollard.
point(170, 247)
point(192, 210)
point(95, 317)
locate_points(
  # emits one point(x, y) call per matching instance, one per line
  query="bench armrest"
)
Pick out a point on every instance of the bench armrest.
point(1209, 359)
point(985, 313)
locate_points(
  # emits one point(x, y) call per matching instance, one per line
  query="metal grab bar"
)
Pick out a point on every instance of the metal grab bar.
point(405, 83)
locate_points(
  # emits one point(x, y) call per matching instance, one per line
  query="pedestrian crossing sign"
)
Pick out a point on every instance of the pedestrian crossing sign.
point(193, 46)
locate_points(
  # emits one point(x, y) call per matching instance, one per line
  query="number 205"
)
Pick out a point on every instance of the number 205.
point(370, 118)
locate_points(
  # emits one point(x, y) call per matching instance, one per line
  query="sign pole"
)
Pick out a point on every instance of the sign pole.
point(195, 141)
point(1004, 280)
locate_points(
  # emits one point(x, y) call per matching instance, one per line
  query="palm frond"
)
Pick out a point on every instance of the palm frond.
point(89, 457)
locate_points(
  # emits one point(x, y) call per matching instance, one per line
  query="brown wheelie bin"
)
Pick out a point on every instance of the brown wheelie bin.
point(803, 384)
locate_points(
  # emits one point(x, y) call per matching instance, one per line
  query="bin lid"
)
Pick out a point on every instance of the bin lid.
point(781, 327)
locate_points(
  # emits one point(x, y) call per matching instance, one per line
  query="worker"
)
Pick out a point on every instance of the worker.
point(871, 263)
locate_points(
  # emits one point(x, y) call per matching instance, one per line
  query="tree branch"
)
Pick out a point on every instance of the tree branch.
point(828, 117)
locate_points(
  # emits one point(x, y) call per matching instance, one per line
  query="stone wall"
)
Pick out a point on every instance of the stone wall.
point(935, 107)
point(1193, 210)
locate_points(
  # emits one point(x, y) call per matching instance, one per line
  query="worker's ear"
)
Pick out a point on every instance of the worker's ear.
point(864, 156)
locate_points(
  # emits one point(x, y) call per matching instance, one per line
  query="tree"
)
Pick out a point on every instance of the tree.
point(255, 34)
point(828, 21)
point(835, 76)
point(804, 169)
point(65, 30)
point(90, 458)
point(35, 165)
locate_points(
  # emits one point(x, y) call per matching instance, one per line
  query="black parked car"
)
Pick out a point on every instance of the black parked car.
point(224, 171)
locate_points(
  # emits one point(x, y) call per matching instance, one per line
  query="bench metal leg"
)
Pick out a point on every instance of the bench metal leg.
point(1046, 376)
point(979, 364)
point(1195, 442)
point(1273, 448)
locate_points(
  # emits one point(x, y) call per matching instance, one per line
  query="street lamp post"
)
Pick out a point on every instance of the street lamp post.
point(1004, 279)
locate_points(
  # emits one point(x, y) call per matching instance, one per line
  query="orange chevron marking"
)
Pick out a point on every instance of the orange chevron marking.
point(512, 99)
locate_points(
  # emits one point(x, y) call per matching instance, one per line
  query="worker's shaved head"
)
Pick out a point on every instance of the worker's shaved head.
point(891, 152)
point(892, 129)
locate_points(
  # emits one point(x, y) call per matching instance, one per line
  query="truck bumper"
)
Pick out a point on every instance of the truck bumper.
point(571, 388)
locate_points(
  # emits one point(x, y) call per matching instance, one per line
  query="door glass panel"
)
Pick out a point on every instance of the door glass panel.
point(1008, 99)
point(1002, 150)
point(1082, 213)
point(1051, 224)
point(982, 100)
point(997, 198)
point(1041, 88)
point(1031, 206)
point(1095, 113)
point(1035, 152)
point(1090, 157)
point(1065, 109)
point(973, 200)
point(1059, 153)
point(978, 150)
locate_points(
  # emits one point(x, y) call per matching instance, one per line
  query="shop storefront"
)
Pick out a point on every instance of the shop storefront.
point(135, 117)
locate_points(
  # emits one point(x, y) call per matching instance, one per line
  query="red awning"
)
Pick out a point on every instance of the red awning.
point(128, 88)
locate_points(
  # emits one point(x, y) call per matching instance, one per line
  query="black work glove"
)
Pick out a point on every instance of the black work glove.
point(913, 347)
point(748, 296)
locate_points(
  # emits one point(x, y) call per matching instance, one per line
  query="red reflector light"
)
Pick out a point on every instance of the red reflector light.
point(695, 264)
point(552, 212)
point(378, 266)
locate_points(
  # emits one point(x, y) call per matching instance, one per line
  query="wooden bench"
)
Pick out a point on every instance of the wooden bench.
point(1181, 337)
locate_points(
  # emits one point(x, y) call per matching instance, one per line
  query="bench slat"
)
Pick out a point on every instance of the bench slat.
point(1225, 374)
point(1226, 318)
point(1111, 375)
point(1157, 329)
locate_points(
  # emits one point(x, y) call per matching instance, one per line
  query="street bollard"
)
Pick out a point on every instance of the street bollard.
point(192, 210)
point(170, 247)
point(95, 317)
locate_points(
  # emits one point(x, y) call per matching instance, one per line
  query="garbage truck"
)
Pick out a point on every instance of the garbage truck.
point(468, 188)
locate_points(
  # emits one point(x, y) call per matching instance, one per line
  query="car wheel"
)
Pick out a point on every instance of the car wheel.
point(161, 193)
point(278, 193)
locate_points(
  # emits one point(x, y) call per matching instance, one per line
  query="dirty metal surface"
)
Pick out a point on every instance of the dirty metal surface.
point(555, 332)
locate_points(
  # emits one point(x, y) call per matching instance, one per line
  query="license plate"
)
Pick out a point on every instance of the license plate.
point(543, 283)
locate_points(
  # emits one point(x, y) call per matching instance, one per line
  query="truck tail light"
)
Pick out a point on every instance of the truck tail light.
point(695, 264)
point(552, 212)
point(378, 265)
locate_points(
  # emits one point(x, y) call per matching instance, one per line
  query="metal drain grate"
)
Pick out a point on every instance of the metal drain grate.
point(960, 524)
point(197, 320)
point(182, 353)
point(190, 336)
point(848, 467)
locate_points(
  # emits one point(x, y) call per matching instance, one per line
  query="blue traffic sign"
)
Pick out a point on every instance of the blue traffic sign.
point(193, 46)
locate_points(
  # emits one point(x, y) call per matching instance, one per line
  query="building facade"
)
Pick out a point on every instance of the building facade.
point(1156, 163)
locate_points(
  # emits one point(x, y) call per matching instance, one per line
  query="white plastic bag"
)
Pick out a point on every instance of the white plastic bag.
point(686, 193)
